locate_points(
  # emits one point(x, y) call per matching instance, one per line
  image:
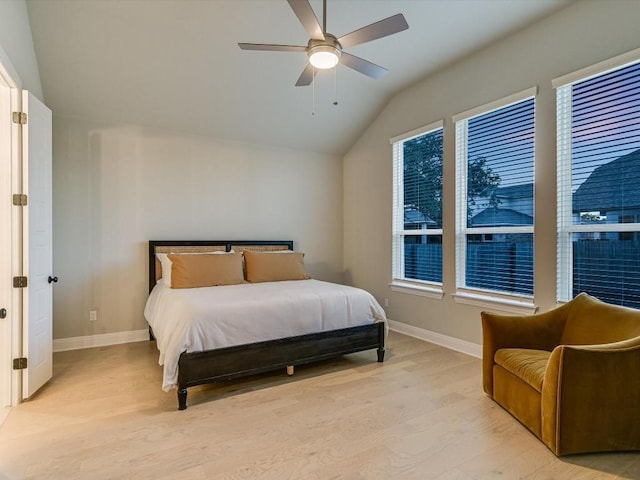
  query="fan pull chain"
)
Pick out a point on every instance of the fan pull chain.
point(313, 90)
point(335, 85)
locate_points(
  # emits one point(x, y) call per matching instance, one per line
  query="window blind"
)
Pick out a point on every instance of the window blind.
point(599, 186)
point(495, 198)
point(417, 205)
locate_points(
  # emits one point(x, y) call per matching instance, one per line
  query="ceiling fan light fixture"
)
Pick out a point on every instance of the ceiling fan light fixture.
point(324, 50)
point(324, 57)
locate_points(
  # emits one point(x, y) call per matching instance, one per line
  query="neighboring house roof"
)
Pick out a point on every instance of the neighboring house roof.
point(500, 217)
point(524, 190)
point(611, 186)
point(416, 216)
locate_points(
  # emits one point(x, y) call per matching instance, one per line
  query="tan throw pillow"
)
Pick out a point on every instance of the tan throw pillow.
point(274, 267)
point(207, 270)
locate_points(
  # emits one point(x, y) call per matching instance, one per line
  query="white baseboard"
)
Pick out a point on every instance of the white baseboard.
point(4, 413)
point(100, 340)
point(105, 339)
point(451, 343)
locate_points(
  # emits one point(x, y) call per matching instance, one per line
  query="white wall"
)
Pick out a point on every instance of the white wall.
point(118, 186)
point(16, 41)
point(584, 33)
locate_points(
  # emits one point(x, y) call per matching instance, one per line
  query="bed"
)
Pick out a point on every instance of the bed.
point(330, 330)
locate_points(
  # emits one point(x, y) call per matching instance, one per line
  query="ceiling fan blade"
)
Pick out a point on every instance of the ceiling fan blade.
point(383, 28)
point(272, 48)
point(306, 77)
point(363, 66)
point(308, 19)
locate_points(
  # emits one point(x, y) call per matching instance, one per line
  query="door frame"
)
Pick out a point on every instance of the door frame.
point(11, 253)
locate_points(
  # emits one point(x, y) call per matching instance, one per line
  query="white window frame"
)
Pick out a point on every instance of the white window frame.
point(565, 226)
point(515, 303)
point(398, 281)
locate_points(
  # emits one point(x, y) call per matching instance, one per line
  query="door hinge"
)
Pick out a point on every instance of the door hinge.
point(19, 363)
point(19, 282)
point(20, 118)
point(20, 199)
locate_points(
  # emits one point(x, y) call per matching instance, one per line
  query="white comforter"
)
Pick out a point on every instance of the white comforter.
point(196, 319)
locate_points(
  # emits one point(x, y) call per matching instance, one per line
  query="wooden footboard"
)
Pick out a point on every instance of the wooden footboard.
point(226, 363)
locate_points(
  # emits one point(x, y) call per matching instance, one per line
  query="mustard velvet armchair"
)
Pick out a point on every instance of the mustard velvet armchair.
point(570, 375)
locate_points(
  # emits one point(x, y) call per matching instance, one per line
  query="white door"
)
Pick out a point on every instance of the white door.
point(37, 326)
point(5, 245)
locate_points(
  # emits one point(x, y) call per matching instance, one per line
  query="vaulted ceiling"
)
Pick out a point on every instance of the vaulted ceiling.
point(175, 64)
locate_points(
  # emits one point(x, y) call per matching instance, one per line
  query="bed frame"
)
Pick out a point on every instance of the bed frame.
point(210, 366)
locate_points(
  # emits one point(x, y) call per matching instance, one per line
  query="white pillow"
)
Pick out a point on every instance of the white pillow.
point(165, 263)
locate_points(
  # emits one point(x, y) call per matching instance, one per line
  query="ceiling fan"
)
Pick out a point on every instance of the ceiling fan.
point(325, 50)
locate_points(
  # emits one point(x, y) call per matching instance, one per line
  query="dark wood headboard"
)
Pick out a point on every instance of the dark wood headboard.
point(192, 246)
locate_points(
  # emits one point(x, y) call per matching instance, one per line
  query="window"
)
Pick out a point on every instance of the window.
point(599, 182)
point(494, 197)
point(417, 207)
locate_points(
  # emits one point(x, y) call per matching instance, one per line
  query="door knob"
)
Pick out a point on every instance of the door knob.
point(52, 279)
point(3, 313)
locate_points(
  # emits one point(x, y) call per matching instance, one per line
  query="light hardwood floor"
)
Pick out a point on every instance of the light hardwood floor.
point(420, 415)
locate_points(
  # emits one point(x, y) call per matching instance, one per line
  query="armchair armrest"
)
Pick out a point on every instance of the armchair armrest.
point(541, 331)
point(628, 344)
point(591, 398)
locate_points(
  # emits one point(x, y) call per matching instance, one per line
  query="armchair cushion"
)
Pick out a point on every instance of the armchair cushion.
point(528, 365)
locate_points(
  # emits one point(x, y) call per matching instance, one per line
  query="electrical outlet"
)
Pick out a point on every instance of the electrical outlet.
point(386, 302)
point(93, 315)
